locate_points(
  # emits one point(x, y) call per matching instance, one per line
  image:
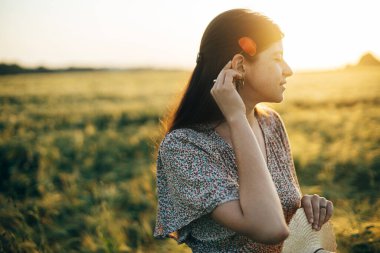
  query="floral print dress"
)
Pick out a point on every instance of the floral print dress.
point(197, 171)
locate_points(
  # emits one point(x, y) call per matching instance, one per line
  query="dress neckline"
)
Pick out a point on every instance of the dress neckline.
point(261, 123)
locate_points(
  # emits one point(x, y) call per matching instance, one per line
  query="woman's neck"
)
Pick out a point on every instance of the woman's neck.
point(251, 114)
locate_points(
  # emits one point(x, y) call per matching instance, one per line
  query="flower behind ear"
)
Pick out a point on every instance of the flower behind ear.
point(248, 45)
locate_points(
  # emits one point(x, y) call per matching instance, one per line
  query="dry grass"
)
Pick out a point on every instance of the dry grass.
point(78, 161)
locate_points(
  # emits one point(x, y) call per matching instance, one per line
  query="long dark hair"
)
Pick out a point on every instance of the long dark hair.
point(218, 45)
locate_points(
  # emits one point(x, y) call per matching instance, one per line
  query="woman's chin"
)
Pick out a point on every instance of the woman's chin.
point(278, 99)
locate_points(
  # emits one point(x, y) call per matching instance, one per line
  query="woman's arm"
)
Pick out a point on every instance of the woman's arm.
point(258, 213)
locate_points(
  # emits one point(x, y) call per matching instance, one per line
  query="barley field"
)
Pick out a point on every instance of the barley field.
point(77, 153)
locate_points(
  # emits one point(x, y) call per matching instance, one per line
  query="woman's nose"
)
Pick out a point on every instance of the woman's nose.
point(287, 70)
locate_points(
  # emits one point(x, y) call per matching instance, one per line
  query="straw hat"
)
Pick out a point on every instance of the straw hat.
point(303, 239)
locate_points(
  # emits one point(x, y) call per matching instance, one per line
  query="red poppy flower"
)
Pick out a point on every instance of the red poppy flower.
point(248, 45)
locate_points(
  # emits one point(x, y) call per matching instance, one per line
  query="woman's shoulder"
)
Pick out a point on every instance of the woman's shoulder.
point(274, 123)
point(268, 114)
point(195, 137)
point(185, 134)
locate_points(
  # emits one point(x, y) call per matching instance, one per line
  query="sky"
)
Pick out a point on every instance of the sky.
point(321, 34)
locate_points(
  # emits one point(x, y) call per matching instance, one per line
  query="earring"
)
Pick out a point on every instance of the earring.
point(240, 81)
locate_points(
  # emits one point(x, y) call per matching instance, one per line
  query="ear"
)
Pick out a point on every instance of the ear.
point(238, 62)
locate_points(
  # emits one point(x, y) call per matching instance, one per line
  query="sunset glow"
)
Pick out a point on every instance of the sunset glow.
point(318, 34)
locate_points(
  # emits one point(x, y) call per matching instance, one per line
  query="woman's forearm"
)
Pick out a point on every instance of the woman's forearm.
point(260, 203)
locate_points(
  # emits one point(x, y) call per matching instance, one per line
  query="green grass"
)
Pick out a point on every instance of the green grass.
point(77, 156)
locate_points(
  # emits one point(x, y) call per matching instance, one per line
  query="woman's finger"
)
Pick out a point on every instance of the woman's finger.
point(230, 74)
point(315, 207)
point(306, 205)
point(219, 80)
point(222, 72)
point(329, 210)
point(322, 212)
point(228, 65)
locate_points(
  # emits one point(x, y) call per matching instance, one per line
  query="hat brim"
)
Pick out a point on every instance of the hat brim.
point(303, 238)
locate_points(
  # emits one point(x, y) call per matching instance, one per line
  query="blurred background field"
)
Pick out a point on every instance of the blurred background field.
point(77, 156)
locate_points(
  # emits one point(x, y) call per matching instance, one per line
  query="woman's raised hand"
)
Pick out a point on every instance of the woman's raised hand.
point(318, 210)
point(226, 95)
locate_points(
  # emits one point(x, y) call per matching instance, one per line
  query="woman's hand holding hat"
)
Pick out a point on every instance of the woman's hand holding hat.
point(303, 239)
point(318, 210)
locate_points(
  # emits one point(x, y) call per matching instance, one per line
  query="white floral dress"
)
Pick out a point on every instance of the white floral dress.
point(197, 171)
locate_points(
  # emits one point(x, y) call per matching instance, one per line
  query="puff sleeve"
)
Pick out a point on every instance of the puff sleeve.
point(191, 181)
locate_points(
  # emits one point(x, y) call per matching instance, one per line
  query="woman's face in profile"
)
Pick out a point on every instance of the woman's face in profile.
point(265, 78)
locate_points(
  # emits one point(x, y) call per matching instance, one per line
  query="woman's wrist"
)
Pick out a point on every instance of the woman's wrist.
point(236, 118)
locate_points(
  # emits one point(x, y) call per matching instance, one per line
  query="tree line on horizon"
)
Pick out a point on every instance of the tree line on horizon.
point(7, 69)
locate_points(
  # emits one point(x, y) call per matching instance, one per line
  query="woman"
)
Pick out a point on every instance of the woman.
point(225, 175)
